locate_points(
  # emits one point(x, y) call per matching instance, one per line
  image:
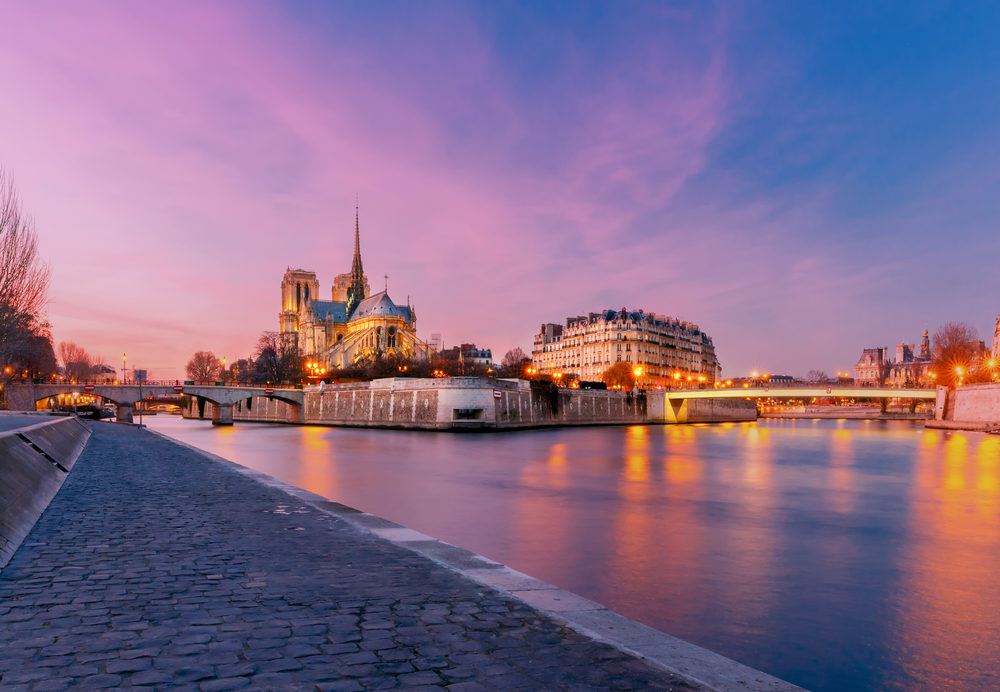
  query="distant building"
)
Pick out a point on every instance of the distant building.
point(102, 372)
point(352, 328)
point(765, 380)
point(469, 354)
point(668, 351)
point(908, 369)
point(995, 352)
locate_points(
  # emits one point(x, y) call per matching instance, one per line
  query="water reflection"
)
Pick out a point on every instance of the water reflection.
point(952, 587)
point(836, 554)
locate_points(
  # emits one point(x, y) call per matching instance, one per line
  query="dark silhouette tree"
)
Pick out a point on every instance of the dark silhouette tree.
point(514, 362)
point(24, 283)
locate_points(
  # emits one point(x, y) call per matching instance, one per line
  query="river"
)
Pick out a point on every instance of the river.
point(838, 555)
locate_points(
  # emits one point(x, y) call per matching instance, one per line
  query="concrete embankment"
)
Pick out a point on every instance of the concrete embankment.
point(36, 454)
point(471, 403)
point(973, 407)
point(160, 565)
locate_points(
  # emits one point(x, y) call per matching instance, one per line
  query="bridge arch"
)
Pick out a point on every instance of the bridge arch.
point(223, 399)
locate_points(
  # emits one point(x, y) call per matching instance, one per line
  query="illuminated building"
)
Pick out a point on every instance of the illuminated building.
point(664, 351)
point(355, 326)
point(908, 369)
point(996, 340)
point(469, 354)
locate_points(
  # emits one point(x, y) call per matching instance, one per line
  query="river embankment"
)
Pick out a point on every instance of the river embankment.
point(37, 453)
point(974, 407)
point(158, 564)
point(467, 403)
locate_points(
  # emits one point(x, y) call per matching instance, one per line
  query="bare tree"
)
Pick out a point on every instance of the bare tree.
point(77, 363)
point(957, 353)
point(24, 278)
point(277, 358)
point(817, 376)
point(203, 367)
point(514, 361)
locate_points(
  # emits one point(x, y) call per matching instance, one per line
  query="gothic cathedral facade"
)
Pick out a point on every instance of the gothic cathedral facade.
point(354, 327)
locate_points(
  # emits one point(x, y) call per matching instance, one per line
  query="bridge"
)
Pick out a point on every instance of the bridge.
point(24, 397)
point(821, 392)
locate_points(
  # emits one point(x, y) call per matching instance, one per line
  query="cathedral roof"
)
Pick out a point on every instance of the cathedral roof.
point(380, 304)
point(329, 308)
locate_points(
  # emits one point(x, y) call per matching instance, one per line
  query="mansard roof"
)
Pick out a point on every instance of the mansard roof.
point(381, 304)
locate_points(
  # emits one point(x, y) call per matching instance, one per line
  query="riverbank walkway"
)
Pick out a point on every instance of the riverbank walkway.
point(156, 565)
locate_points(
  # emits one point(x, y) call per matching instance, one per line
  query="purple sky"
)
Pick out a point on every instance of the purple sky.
point(800, 182)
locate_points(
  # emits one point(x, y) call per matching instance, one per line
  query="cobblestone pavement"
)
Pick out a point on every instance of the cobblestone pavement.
point(155, 566)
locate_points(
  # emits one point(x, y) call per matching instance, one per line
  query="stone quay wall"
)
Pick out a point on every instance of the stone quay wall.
point(34, 461)
point(970, 407)
point(458, 403)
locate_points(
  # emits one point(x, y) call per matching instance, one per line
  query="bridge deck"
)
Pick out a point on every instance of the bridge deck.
point(805, 392)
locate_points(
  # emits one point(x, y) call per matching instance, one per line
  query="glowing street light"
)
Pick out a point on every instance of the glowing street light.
point(123, 368)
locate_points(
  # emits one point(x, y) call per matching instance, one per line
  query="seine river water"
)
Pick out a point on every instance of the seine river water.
point(838, 555)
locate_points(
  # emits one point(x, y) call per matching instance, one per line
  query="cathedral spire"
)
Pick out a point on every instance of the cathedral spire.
point(357, 271)
point(356, 291)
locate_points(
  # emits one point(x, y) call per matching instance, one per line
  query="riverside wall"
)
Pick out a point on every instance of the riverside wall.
point(970, 407)
point(470, 403)
point(34, 461)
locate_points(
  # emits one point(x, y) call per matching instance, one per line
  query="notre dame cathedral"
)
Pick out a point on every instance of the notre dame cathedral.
point(354, 326)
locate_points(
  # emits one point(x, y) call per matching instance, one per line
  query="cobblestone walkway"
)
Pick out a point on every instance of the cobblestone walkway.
point(155, 566)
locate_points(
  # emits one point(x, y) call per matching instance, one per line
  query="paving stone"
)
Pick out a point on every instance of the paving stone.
point(93, 682)
point(224, 684)
point(132, 665)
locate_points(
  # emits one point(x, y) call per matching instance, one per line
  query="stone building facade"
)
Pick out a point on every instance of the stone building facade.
point(995, 351)
point(667, 351)
point(909, 368)
point(352, 328)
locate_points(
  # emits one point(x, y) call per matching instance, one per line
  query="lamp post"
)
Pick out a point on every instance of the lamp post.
point(223, 370)
point(123, 368)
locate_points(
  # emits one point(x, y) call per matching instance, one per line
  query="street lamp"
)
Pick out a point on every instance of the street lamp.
point(223, 370)
point(123, 368)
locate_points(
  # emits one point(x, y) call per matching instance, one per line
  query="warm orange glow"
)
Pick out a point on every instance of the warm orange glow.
point(754, 374)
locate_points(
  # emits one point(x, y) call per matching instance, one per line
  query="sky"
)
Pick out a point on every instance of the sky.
point(801, 180)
